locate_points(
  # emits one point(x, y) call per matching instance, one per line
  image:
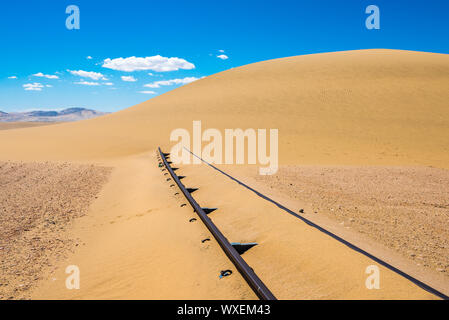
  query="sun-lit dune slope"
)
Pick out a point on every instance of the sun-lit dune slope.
point(355, 107)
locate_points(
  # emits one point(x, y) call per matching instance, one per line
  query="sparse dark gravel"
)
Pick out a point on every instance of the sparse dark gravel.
point(38, 201)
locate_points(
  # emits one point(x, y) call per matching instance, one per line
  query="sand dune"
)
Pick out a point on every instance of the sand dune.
point(357, 107)
point(19, 125)
point(369, 107)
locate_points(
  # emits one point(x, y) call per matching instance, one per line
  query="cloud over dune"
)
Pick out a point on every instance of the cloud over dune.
point(154, 63)
point(158, 84)
point(147, 92)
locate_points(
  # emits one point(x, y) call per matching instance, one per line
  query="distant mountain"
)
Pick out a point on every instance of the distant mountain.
point(43, 113)
point(73, 110)
point(70, 114)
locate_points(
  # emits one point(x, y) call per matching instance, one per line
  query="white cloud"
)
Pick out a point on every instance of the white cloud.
point(150, 74)
point(148, 92)
point(88, 74)
point(154, 63)
point(222, 57)
point(48, 85)
point(129, 79)
point(12, 77)
point(87, 83)
point(89, 58)
point(48, 76)
point(171, 82)
point(33, 86)
point(221, 51)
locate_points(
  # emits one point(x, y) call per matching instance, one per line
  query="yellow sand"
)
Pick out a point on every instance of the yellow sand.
point(18, 125)
point(359, 107)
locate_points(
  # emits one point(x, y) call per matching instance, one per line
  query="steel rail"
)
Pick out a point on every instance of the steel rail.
point(407, 276)
point(259, 288)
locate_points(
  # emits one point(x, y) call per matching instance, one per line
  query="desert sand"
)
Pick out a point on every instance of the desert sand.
point(404, 208)
point(18, 125)
point(38, 203)
point(379, 108)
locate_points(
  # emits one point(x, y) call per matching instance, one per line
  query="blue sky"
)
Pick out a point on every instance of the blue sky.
point(35, 41)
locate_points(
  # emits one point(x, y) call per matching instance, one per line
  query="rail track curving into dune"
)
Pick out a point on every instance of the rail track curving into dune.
point(259, 288)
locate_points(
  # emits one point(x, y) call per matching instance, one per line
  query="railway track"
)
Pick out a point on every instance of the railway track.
point(246, 271)
point(259, 288)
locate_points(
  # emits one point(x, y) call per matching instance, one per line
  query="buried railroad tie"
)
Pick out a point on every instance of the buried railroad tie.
point(241, 248)
point(209, 210)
